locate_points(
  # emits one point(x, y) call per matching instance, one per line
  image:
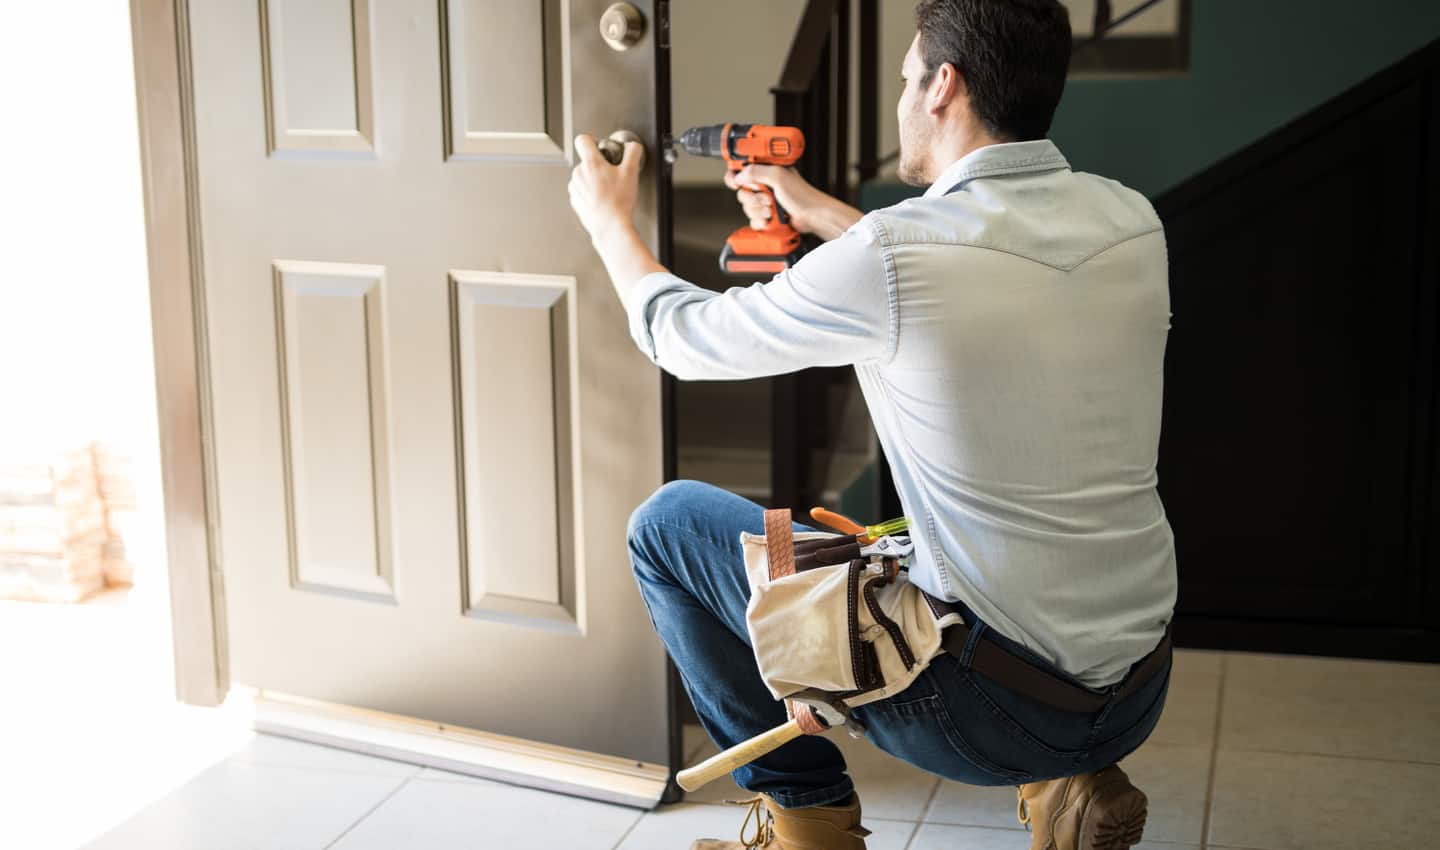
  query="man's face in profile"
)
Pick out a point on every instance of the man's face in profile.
point(916, 128)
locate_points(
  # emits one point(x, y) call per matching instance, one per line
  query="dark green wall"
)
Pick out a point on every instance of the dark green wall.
point(1255, 66)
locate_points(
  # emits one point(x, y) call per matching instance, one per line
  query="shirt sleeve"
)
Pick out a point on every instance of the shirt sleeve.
point(834, 307)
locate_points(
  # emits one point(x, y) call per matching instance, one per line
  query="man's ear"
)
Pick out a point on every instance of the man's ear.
point(947, 87)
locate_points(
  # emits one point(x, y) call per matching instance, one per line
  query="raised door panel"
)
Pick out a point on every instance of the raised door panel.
point(318, 74)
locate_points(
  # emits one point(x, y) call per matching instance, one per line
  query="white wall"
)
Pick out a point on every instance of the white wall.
point(75, 351)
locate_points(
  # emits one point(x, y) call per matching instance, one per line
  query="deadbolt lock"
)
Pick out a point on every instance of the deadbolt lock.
point(621, 26)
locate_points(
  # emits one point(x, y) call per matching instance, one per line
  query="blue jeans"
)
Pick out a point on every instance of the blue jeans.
point(952, 721)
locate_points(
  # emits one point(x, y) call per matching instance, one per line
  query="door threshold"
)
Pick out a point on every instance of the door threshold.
point(487, 755)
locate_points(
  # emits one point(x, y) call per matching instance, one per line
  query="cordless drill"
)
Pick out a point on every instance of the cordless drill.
point(748, 250)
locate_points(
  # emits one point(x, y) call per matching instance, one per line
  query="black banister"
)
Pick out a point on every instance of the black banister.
point(813, 93)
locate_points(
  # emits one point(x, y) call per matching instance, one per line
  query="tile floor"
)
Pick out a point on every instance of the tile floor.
point(1258, 751)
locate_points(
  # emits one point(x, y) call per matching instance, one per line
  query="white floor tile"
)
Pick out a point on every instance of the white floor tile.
point(1175, 781)
point(1331, 706)
point(934, 836)
point(1282, 801)
point(675, 827)
point(483, 814)
point(1192, 702)
point(288, 752)
point(1197, 662)
point(888, 787)
point(242, 805)
point(974, 805)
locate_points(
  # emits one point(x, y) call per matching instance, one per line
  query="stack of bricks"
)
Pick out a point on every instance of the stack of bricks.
point(59, 526)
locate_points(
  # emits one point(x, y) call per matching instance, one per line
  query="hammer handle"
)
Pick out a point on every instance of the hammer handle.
point(737, 756)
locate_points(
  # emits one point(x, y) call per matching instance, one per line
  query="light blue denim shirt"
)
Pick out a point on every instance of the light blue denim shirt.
point(1008, 331)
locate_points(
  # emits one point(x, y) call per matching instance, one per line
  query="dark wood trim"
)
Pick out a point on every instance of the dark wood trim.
point(802, 63)
point(1428, 308)
point(868, 134)
point(840, 76)
point(679, 702)
point(1394, 599)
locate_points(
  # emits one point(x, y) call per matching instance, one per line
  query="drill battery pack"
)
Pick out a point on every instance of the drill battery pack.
point(748, 251)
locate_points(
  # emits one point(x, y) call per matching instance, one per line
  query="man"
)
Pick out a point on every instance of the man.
point(1008, 330)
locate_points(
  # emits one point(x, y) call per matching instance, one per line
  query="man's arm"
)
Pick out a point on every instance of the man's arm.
point(810, 210)
point(833, 308)
point(603, 196)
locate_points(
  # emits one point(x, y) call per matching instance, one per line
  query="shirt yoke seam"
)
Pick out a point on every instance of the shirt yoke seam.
point(1057, 267)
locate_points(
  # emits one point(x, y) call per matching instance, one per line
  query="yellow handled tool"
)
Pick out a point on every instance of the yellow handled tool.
point(865, 533)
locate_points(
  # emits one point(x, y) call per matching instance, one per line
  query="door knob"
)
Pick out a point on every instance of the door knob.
point(613, 148)
point(622, 25)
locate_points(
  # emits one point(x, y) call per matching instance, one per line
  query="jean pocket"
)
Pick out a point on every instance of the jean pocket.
point(1137, 731)
point(1050, 733)
point(922, 732)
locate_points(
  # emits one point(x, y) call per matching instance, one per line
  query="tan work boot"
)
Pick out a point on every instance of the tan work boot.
point(1092, 811)
point(833, 827)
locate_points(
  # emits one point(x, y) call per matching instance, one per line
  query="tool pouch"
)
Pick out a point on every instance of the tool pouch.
point(857, 631)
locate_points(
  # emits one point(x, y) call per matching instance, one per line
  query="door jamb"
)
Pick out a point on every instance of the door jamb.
point(165, 100)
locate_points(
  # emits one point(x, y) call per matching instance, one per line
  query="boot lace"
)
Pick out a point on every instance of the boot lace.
point(764, 823)
point(1022, 812)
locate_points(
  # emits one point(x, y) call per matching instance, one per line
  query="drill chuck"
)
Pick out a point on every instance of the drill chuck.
point(710, 141)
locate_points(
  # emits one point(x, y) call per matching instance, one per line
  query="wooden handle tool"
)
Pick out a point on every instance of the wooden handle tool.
point(739, 755)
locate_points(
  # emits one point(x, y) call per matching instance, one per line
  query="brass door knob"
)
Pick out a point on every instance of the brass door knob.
point(613, 147)
point(622, 26)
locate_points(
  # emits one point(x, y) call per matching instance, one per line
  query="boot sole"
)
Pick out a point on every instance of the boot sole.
point(1115, 818)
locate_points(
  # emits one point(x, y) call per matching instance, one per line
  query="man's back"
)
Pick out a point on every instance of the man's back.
point(1020, 404)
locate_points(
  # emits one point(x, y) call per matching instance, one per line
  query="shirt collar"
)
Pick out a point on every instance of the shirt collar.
point(998, 160)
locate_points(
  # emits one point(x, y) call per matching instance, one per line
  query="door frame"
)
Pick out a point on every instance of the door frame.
point(164, 98)
point(166, 116)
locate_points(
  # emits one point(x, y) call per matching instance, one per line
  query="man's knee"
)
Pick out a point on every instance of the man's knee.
point(668, 500)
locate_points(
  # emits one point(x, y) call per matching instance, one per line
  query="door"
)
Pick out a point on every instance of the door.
point(429, 423)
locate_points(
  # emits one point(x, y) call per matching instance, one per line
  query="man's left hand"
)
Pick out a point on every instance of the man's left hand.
point(603, 195)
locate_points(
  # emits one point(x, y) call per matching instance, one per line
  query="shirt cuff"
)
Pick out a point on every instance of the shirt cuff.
point(638, 305)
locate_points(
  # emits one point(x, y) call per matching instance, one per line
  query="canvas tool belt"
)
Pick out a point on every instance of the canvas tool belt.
point(844, 635)
point(840, 635)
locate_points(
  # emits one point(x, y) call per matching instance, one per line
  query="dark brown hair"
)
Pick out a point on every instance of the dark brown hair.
point(1013, 54)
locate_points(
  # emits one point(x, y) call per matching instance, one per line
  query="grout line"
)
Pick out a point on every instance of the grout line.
point(629, 829)
point(924, 814)
point(914, 832)
point(930, 801)
point(1214, 755)
point(1314, 754)
point(370, 811)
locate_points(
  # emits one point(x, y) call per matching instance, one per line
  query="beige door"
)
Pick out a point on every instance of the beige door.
point(429, 422)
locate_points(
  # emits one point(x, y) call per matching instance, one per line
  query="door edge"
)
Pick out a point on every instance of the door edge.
point(164, 90)
point(533, 764)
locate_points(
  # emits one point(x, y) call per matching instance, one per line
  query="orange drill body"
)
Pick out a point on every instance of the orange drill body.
point(747, 250)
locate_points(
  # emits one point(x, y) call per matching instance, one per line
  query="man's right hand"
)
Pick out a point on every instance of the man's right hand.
point(810, 210)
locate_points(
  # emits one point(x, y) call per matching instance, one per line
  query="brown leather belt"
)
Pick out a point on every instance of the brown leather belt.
point(1017, 674)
